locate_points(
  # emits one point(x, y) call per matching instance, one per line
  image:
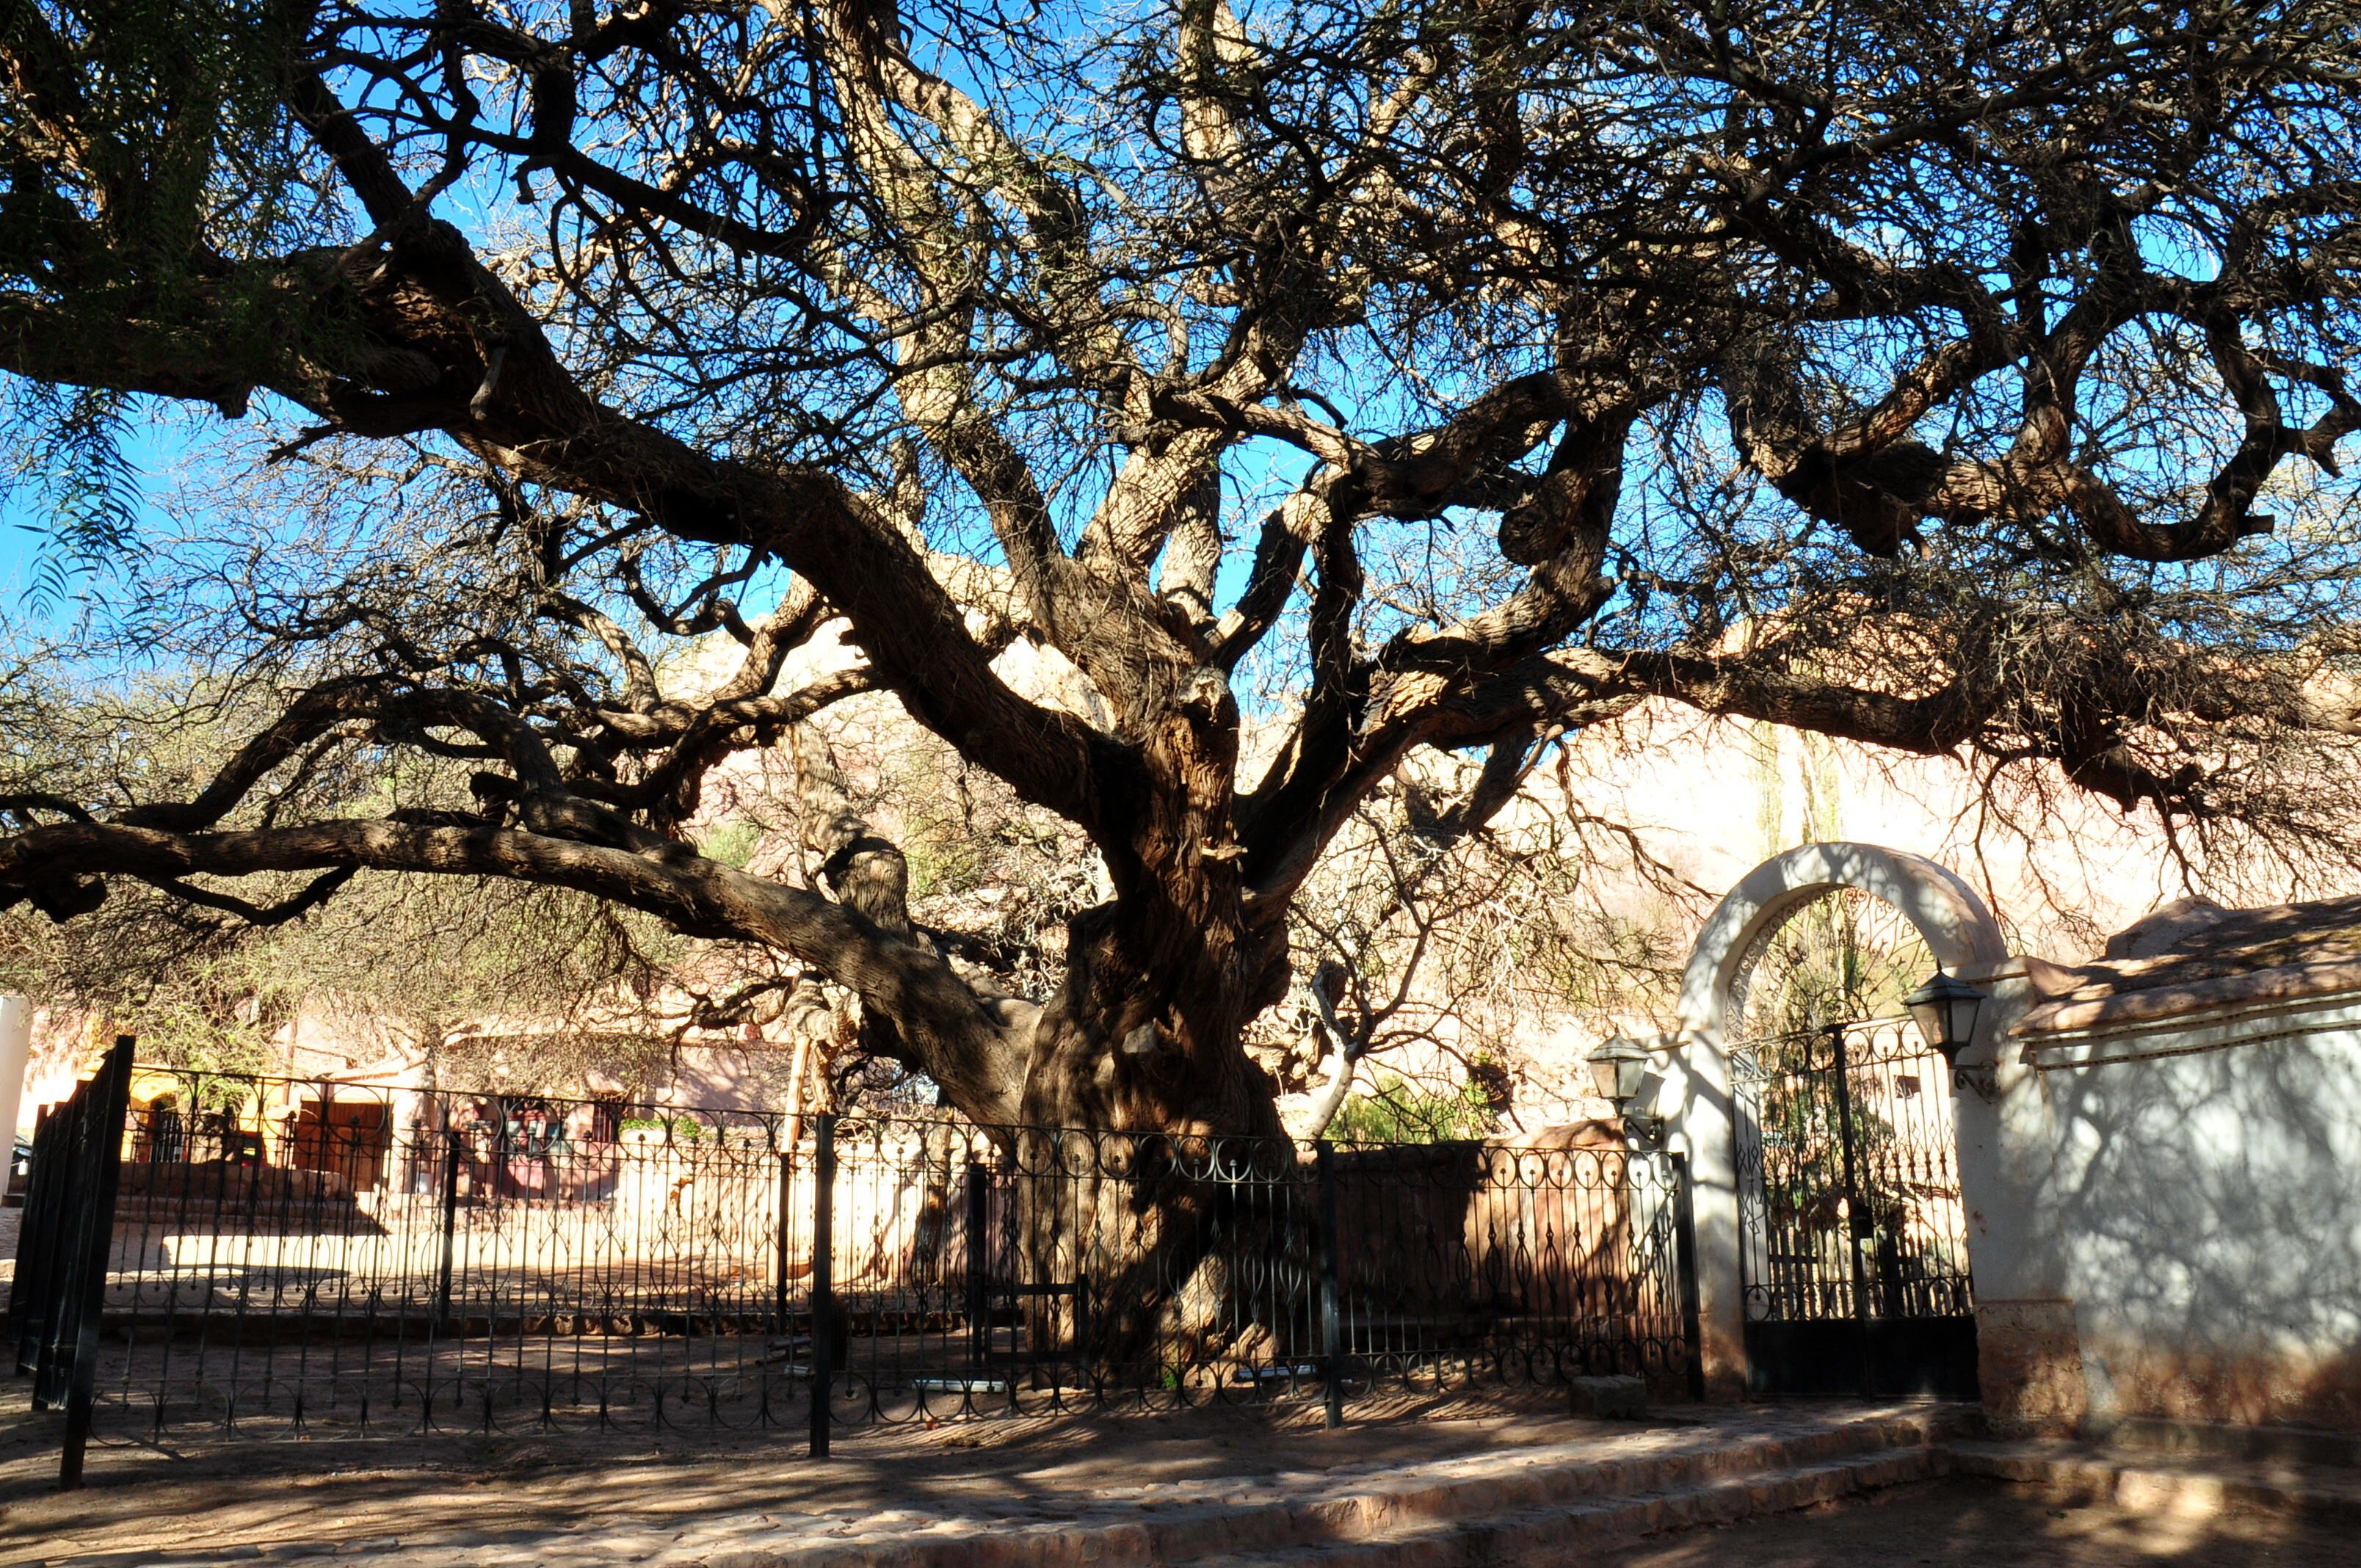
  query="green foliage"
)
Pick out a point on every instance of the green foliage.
point(420, 955)
point(680, 1129)
point(179, 137)
point(941, 841)
point(1396, 1110)
point(1836, 958)
point(1797, 1118)
point(69, 465)
point(731, 843)
point(942, 865)
point(146, 152)
point(213, 1017)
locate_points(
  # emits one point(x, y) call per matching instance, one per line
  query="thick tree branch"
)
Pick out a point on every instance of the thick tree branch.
point(957, 1035)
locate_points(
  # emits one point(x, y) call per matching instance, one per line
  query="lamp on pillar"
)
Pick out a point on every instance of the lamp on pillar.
point(1618, 1069)
point(1946, 1008)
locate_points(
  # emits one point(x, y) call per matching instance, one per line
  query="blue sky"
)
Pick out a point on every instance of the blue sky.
point(154, 445)
point(159, 435)
point(15, 555)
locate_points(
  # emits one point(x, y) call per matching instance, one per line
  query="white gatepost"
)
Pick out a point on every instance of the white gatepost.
point(1695, 1097)
point(15, 1051)
point(2028, 1350)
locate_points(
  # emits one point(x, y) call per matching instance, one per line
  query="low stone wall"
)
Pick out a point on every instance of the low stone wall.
point(231, 1185)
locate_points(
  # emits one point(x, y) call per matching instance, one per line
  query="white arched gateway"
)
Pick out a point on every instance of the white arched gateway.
point(1713, 1080)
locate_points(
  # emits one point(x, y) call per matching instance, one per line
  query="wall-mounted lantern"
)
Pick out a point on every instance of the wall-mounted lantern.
point(1946, 1008)
point(1618, 1069)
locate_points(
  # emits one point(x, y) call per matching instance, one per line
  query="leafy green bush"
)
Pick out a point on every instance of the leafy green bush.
point(1396, 1110)
point(684, 1129)
point(731, 843)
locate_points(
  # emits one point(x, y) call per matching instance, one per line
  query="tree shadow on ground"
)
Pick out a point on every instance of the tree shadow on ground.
point(1006, 1473)
point(568, 1496)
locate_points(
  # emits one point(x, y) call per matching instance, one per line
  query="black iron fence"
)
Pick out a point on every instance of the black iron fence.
point(292, 1256)
point(57, 1300)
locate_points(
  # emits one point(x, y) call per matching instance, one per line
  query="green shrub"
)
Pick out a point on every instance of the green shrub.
point(1395, 1110)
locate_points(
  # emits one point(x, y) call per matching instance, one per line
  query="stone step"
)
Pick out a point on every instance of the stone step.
point(2227, 1440)
point(1555, 1534)
point(1524, 1505)
point(2190, 1486)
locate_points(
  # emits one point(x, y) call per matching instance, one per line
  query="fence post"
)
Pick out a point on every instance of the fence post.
point(1856, 1212)
point(50, 1314)
point(1685, 1259)
point(787, 1233)
point(979, 1256)
point(111, 1106)
point(1331, 1327)
point(450, 1230)
point(823, 1285)
point(26, 1292)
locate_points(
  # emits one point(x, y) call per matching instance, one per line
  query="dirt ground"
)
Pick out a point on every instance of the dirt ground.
point(551, 1496)
point(596, 1501)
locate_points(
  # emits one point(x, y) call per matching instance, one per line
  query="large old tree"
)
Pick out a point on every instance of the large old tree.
point(1322, 381)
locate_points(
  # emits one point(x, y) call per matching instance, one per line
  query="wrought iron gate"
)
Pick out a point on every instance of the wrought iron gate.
point(1853, 1235)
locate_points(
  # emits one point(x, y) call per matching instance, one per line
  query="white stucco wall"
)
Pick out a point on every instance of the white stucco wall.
point(16, 1053)
point(2163, 1186)
point(2207, 1182)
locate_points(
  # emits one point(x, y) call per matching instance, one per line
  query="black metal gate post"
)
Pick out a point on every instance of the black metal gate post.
point(786, 1237)
point(1331, 1327)
point(35, 1244)
point(105, 1155)
point(823, 1285)
point(1685, 1259)
point(1856, 1212)
point(979, 1263)
point(450, 1231)
point(58, 1295)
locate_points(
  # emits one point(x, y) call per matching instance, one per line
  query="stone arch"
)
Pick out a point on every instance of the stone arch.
point(1959, 929)
point(1693, 1094)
